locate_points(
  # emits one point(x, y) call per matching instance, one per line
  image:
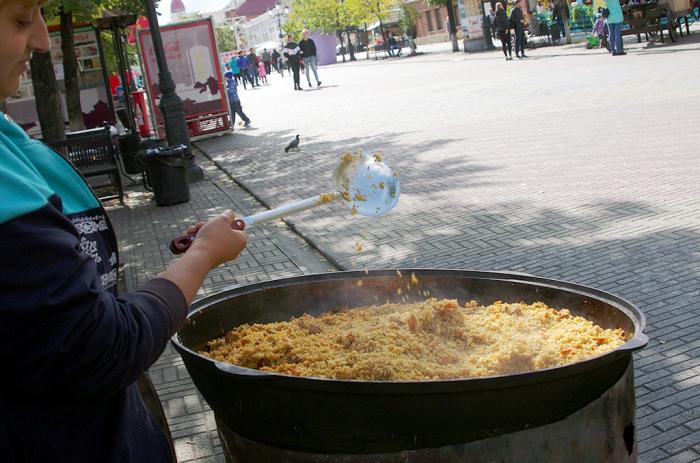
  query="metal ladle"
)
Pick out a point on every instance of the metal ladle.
point(363, 183)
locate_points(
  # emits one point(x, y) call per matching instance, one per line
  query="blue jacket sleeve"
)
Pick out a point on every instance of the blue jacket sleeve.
point(60, 331)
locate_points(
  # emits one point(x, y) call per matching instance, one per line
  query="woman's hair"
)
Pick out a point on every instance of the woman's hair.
point(499, 5)
point(26, 3)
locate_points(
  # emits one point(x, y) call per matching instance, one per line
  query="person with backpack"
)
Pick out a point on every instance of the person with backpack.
point(292, 53)
point(502, 25)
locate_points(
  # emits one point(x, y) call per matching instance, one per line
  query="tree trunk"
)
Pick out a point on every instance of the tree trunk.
point(342, 46)
point(351, 46)
point(70, 71)
point(565, 12)
point(453, 25)
point(487, 33)
point(46, 98)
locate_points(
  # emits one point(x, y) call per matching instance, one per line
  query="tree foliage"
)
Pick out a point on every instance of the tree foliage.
point(315, 15)
point(409, 17)
point(330, 16)
point(225, 40)
point(69, 11)
point(370, 10)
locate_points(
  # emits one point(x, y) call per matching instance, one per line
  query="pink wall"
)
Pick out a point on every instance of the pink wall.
point(325, 48)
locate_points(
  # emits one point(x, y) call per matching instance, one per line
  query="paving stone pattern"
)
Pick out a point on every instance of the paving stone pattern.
point(572, 164)
point(144, 232)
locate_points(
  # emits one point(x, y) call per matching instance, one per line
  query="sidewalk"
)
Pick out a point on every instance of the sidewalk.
point(144, 232)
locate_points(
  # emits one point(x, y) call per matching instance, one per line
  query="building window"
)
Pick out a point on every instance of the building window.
point(429, 18)
point(438, 19)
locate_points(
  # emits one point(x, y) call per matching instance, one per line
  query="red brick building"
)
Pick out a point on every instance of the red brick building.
point(432, 23)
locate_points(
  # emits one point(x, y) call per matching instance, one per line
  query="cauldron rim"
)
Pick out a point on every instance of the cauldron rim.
point(637, 341)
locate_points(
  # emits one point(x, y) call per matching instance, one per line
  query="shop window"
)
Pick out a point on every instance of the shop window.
point(429, 18)
point(438, 19)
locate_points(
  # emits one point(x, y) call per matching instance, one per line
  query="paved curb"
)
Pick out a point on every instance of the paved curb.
point(290, 223)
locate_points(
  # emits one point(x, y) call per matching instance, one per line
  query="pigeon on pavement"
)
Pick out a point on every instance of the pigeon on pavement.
point(294, 144)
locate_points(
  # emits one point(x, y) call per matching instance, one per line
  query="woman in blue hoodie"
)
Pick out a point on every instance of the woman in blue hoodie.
point(71, 348)
point(615, 20)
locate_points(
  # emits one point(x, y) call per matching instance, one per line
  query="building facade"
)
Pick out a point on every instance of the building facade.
point(431, 25)
point(263, 29)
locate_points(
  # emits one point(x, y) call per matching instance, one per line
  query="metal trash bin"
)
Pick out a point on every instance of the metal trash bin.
point(130, 148)
point(166, 174)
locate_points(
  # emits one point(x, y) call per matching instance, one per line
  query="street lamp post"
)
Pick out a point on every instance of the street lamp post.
point(236, 27)
point(279, 11)
point(170, 103)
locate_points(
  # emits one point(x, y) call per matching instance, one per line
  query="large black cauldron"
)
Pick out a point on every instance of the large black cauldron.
point(362, 417)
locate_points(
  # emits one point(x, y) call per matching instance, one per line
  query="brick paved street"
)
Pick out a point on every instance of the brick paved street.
point(572, 164)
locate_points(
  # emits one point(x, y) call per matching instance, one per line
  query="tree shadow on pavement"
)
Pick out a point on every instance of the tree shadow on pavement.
point(623, 246)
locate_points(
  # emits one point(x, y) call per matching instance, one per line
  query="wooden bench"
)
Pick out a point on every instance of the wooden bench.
point(92, 153)
point(543, 35)
point(647, 19)
point(376, 50)
point(383, 49)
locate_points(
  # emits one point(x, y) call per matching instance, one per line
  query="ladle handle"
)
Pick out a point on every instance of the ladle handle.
point(182, 243)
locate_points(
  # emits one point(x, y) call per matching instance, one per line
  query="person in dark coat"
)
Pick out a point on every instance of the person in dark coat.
point(293, 54)
point(558, 17)
point(253, 62)
point(277, 62)
point(502, 26)
point(267, 60)
point(71, 346)
point(517, 19)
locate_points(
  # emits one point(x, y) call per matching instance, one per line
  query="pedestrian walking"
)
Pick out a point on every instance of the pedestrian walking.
point(253, 61)
point(613, 13)
point(266, 59)
point(234, 101)
point(277, 62)
point(243, 66)
point(291, 52)
point(308, 54)
point(600, 29)
point(262, 72)
point(503, 30)
point(558, 16)
point(517, 20)
point(233, 67)
point(491, 23)
point(72, 348)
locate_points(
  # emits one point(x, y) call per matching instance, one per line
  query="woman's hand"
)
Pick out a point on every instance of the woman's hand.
point(217, 240)
point(215, 244)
